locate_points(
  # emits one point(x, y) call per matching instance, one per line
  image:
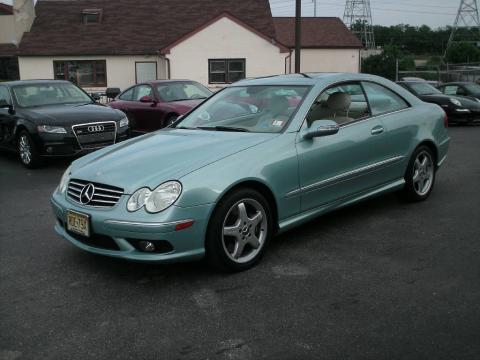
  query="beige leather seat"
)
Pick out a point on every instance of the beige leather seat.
point(337, 106)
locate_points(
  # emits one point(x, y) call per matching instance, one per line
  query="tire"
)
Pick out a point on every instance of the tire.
point(239, 231)
point(171, 119)
point(420, 175)
point(27, 150)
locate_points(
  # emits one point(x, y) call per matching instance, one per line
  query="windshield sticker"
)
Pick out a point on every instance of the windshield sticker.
point(278, 122)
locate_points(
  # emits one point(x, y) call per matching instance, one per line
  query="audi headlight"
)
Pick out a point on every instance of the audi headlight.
point(64, 180)
point(138, 199)
point(51, 129)
point(157, 200)
point(455, 102)
point(123, 122)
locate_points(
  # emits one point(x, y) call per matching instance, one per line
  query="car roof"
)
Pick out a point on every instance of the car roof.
point(307, 79)
point(458, 83)
point(169, 81)
point(33, 82)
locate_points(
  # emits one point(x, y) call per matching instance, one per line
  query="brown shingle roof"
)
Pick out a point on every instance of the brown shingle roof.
point(6, 9)
point(7, 50)
point(131, 27)
point(317, 32)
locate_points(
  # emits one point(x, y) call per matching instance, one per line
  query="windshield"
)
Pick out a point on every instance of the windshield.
point(474, 88)
point(49, 94)
point(423, 88)
point(182, 91)
point(247, 108)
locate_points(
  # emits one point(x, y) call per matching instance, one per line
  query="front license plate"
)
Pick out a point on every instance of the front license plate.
point(78, 223)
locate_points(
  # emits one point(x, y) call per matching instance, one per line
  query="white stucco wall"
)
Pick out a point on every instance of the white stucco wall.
point(7, 29)
point(328, 60)
point(120, 69)
point(224, 39)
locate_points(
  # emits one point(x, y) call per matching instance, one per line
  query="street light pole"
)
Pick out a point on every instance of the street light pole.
point(298, 33)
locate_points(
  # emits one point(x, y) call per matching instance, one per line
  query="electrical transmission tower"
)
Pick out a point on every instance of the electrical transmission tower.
point(358, 18)
point(467, 17)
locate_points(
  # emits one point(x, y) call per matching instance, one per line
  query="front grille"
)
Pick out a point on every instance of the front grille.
point(101, 196)
point(96, 240)
point(96, 134)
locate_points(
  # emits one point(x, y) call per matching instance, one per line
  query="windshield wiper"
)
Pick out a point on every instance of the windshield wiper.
point(185, 128)
point(224, 128)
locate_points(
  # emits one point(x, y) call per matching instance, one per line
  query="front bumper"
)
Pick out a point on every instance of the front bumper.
point(58, 145)
point(120, 228)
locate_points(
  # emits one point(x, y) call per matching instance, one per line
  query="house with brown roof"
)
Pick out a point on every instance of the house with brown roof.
point(117, 43)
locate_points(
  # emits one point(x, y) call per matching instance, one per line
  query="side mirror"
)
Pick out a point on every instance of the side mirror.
point(321, 128)
point(96, 96)
point(146, 99)
point(6, 106)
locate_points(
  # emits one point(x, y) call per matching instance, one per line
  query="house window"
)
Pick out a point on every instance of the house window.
point(145, 71)
point(225, 71)
point(82, 72)
point(92, 16)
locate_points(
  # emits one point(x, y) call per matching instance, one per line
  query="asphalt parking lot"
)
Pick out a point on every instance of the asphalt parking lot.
point(380, 280)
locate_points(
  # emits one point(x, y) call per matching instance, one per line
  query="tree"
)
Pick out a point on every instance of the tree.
point(384, 64)
point(463, 53)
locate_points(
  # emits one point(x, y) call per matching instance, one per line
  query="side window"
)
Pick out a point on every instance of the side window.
point(383, 100)
point(341, 103)
point(461, 91)
point(4, 95)
point(127, 95)
point(141, 91)
point(450, 90)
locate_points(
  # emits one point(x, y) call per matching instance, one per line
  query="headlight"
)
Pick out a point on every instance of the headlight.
point(51, 129)
point(64, 180)
point(163, 196)
point(123, 122)
point(138, 198)
point(157, 200)
point(455, 102)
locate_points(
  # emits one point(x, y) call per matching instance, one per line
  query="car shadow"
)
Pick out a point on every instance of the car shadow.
point(143, 273)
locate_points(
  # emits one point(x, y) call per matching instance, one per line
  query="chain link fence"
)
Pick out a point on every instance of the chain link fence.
point(469, 72)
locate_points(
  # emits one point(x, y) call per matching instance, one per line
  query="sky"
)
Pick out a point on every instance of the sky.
point(434, 13)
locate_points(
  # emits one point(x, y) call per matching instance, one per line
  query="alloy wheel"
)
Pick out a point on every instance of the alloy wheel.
point(244, 230)
point(423, 173)
point(25, 149)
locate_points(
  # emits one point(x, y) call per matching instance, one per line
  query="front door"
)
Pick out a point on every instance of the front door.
point(349, 162)
point(7, 120)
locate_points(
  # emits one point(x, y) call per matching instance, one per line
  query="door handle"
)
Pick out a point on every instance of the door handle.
point(377, 130)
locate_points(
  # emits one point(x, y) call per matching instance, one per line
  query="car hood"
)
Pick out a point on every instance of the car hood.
point(71, 114)
point(168, 154)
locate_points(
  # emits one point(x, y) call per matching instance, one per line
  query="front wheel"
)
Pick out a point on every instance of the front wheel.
point(239, 231)
point(29, 155)
point(420, 175)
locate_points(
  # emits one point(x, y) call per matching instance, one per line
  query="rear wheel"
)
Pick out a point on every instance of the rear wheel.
point(239, 231)
point(420, 175)
point(171, 119)
point(29, 155)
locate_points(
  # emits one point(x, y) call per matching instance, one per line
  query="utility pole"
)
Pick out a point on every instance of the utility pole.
point(314, 8)
point(358, 18)
point(298, 33)
point(467, 17)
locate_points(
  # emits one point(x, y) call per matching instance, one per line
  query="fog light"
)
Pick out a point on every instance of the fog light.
point(147, 246)
point(49, 149)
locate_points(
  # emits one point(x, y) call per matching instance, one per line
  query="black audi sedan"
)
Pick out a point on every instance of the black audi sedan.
point(459, 109)
point(49, 118)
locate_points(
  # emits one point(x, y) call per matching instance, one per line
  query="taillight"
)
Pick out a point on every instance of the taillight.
point(445, 120)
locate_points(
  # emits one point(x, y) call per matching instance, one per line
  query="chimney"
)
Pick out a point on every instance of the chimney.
point(24, 14)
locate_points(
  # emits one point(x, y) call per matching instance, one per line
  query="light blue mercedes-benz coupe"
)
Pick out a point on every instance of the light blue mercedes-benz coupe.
point(257, 158)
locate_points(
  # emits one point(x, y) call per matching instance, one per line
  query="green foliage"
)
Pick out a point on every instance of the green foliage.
point(463, 53)
point(384, 64)
point(420, 40)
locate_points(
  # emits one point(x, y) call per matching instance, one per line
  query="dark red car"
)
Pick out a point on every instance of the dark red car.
point(153, 105)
